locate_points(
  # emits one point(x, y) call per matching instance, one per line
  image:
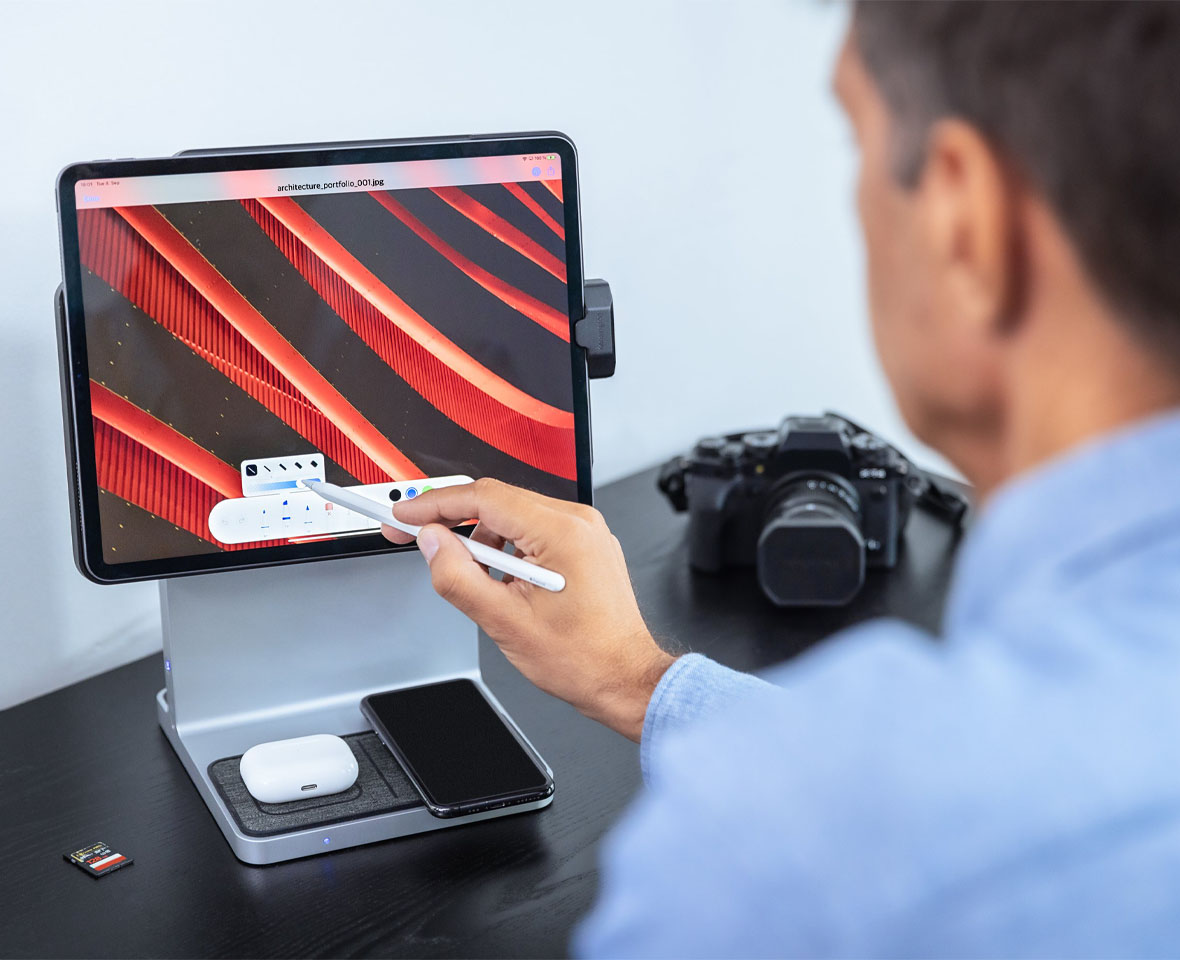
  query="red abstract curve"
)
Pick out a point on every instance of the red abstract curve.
point(157, 436)
point(256, 329)
point(119, 256)
point(501, 229)
point(552, 320)
point(489, 407)
point(137, 474)
point(554, 187)
point(331, 255)
point(519, 192)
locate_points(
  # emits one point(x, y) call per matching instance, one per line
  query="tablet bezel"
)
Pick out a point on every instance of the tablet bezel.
point(75, 368)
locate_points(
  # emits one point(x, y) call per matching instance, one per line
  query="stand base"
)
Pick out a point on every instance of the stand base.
point(278, 652)
point(197, 755)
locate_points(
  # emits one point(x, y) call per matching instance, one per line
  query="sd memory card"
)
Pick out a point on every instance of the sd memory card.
point(98, 859)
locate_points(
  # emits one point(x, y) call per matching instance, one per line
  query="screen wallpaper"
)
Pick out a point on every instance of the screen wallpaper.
point(393, 334)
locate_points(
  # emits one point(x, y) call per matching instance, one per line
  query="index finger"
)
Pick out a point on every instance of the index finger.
point(509, 511)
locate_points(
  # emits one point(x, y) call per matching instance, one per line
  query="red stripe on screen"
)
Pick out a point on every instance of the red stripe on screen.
point(138, 475)
point(554, 187)
point(164, 440)
point(113, 251)
point(552, 320)
point(252, 325)
point(501, 229)
point(519, 192)
point(525, 428)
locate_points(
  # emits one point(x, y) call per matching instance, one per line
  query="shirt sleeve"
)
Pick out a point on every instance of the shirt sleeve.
point(692, 689)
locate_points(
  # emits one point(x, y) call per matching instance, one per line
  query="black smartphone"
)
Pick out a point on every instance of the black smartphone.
point(458, 750)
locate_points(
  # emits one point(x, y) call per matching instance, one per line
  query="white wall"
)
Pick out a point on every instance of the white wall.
point(716, 177)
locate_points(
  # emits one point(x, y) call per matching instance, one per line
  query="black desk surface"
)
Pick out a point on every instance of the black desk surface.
point(89, 763)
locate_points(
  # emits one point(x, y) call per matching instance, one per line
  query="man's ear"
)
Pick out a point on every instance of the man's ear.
point(968, 216)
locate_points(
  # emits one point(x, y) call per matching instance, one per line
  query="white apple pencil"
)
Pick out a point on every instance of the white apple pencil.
point(489, 556)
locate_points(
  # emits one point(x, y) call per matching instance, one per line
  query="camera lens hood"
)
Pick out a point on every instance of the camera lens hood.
point(811, 551)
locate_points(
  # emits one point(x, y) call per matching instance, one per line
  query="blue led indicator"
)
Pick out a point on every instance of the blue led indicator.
point(327, 840)
point(168, 665)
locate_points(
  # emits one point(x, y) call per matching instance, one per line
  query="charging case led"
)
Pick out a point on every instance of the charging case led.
point(284, 770)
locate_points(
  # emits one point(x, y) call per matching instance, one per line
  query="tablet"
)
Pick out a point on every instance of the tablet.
point(387, 316)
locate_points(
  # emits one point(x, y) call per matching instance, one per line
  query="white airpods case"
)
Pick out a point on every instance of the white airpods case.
point(296, 769)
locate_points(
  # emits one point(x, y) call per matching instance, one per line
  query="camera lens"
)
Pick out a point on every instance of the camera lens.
point(811, 551)
point(395, 494)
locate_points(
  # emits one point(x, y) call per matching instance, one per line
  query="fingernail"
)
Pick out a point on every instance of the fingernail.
point(428, 544)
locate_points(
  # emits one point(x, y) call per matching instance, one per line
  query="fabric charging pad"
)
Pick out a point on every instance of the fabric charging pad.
point(381, 787)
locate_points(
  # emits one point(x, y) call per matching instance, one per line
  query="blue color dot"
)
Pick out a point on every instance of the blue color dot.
point(411, 493)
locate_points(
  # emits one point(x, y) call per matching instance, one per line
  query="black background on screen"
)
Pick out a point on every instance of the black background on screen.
point(456, 745)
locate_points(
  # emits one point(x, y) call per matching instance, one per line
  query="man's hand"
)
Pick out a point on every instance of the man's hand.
point(587, 644)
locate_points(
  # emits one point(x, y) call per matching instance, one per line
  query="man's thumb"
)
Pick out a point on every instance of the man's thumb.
point(428, 542)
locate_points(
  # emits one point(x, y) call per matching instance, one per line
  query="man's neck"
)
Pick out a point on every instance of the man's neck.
point(1072, 383)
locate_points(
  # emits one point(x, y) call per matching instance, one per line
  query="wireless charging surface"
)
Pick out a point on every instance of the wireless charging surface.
point(381, 787)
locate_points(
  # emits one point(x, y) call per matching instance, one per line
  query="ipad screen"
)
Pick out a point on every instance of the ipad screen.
point(389, 326)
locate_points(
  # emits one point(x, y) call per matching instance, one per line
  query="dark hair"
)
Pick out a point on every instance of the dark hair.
point(1081, 99)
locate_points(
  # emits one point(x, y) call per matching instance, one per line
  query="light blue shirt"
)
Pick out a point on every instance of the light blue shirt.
point(1010, 789)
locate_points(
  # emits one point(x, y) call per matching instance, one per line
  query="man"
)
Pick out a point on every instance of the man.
point(1014, 788)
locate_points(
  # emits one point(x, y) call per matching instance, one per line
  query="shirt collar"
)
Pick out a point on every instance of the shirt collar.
point(1059, 518)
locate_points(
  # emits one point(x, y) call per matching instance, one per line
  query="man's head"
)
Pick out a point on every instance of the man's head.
point(1020, 198)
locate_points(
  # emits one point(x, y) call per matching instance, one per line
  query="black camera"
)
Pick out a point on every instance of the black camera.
point(810, 505)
